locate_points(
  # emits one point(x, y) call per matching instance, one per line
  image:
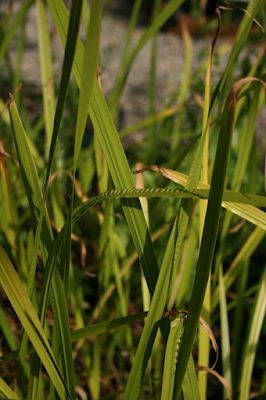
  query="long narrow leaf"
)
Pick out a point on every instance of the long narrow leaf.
point(46, 70)
point(90, 63)
point(6, 392)
point(115, 157)
point(31, 183)
point(9, 34)
point(235, 268)
point(240, 203)
point(225, 339)
point(172, 349)
point(24, 309)
point(209, 233)
point(253, 337)
point(101, 327)
point(161, 19)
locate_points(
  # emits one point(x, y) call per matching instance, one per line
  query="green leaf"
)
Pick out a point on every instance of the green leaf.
point(241, 204)
point(105, 129)
point(8, 35)
point(105, 326)
point(29, 174)
point(33, 190)
point(209, 233)
point(223, 88)
point(225, 337)
point(155, 314)
point(235, 268)
point(46, 70)
point(6, 392)
point(257, 317)
point(89, 70)
point(190, 387)
point(26, 313)
point(161, 19)
point(172, 348)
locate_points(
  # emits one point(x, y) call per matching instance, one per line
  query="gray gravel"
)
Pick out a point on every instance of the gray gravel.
point(134, 101)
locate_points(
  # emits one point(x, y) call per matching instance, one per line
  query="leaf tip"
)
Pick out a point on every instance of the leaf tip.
point(11, 100)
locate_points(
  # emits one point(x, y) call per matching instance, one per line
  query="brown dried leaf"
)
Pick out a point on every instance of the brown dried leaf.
point(210, 333)
point(236, 228)
point(78, 188)
point(218, 376)
point(205, 326)
point(229, 6)
point(168, 173)
point(238, 86)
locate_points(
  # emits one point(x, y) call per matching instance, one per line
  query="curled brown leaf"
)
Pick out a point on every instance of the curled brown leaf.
point(225, 5)
point(218, 376)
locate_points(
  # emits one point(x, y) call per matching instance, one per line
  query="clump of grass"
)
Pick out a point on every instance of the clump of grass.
point(70, 248)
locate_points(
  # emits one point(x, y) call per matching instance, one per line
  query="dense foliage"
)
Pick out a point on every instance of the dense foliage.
point(85, 257)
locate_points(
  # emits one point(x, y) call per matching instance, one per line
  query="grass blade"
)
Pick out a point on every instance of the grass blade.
point(163, 16)
point(190, 387)
point(158, 302)
point(253, 338)
point(115, 157)
point(24, 309)
point(46, 70)
point(235, 268)
point(29, 173)
point(6, 391)
point(90, 64)
point(240, 203)
point(172, 348)
point(8, 35)
point(225, 336)
point(209, 233)
point(223, 88)
point(102, 327)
